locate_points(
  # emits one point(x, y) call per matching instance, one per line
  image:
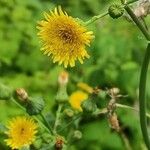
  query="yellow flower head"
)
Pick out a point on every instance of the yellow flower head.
point(76, 99)
point(85, 87)
point(21, 132)
point(64, 38)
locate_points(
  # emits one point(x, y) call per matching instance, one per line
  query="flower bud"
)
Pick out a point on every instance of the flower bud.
point(34, 105)
point(63, 78)
point(69, 112)
point(116, 11)
point(89, 106)
point(5, 92)
point(62, 95)
point(85, 87)
point(77, 134)
point(59, 143)
point(21, 94)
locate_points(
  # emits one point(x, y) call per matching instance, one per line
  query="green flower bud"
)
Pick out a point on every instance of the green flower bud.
point(34, 105)
point(62, 95)
point(69, 112)
point(89, 106)
point(5, 92)
point(77, 134)
point(116, 11)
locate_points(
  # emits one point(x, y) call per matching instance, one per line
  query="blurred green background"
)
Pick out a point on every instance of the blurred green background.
point(116, 56)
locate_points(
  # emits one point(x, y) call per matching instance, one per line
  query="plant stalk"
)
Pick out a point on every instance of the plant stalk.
point(137, 22)
point(46, 122)
point(95, 18)
point(142, 101)
point(57, 120)
point(143, 77)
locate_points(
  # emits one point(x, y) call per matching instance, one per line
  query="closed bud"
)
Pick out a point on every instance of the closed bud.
point(89, 106)
point(21, 94)
point(59, 143)
point(69, 112)
point(77, 134)
point(5, 92)
point(34, 105)
point(63, 78)
point(62, 95)
point(116, 11)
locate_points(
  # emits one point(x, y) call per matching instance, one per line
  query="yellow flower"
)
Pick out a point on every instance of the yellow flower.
point(85, 87)
point(21, 132)
point(76, 99)
point(63, 37)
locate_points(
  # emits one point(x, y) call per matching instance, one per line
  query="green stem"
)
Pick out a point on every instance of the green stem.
point(36, 118)
point(125, 140)
point(137, 22)
point(46, 123)
point(57, 120)
point(131, 1)
point(77, 117)
point(95, 18)
point(129, 107)
point(142, 85)
point(142, 89)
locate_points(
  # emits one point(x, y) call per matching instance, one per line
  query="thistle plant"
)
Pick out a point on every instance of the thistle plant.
point(64, 39)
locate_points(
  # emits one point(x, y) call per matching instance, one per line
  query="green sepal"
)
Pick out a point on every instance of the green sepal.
point(89, 106)
point(34, 105)
point(62, 95)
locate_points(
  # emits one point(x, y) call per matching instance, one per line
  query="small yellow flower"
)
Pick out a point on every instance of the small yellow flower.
point(64, 38)
point(76, 99)
point(85, 87)
point(21, 132)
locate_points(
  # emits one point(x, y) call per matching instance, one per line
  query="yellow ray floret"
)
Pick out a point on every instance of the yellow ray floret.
point(64, 38)
point(77, 98)
point(21, 132)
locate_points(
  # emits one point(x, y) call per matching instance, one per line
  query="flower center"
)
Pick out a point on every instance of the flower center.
point(22, 131)
point(66, 35)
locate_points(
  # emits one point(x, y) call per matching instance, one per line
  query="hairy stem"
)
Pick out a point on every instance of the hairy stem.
point(137, 22)
point(95, 18)
point(57, 120)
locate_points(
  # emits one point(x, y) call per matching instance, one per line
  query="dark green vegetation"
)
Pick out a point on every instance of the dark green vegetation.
point(116, 56)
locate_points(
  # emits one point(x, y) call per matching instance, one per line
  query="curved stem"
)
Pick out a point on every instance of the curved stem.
point(142, 89)
point(142, 85)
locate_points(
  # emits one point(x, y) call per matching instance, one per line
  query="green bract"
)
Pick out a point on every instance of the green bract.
point(35, 105)
point(116, 11)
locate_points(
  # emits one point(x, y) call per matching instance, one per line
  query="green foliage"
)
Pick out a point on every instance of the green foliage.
point(116, 56)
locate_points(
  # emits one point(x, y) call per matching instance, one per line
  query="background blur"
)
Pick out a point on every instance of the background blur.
point(116, 56)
